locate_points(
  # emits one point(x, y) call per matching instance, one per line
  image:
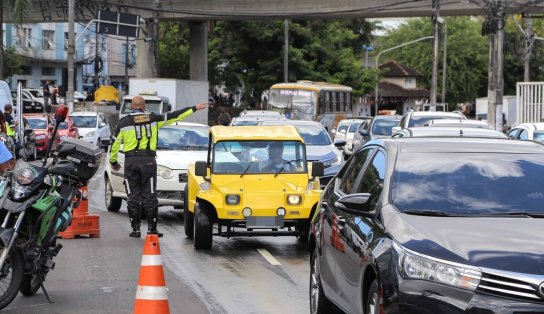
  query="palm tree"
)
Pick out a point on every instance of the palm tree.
point(19, 9)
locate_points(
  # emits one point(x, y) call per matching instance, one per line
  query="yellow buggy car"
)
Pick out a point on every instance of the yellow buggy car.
point(256, 182)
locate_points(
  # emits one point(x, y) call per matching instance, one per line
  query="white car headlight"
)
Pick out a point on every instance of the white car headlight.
point(418, 266)
point(332, 162)
point(40, 137)
point(165, 172)
point(90, 134)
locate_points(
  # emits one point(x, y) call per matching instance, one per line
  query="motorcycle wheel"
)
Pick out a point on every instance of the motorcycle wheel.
point(30, 285)
point(11, 276)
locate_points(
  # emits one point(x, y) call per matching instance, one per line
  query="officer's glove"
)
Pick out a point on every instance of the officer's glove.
point(116, 166)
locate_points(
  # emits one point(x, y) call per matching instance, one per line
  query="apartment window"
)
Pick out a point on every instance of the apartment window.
point(26, 70)
point(24, 36)
point(48, 71)
point(48, 39)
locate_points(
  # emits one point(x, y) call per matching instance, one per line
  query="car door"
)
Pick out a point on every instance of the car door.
point(103, 127)
point(343, 185)
point(356, 233)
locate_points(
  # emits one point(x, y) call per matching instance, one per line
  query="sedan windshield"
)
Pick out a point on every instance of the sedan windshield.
point(384, 127)
point(183, 138)
point(251, 157)
point(38, 124)
point(314, 134)
point(469, 183)
point(85, 121)
point(422, 120)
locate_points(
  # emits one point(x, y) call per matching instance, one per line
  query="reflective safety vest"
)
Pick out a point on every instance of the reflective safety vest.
point(138, 132)
point(9, 131)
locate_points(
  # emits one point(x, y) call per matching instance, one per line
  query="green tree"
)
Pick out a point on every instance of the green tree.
point(12, 62)
point(467, 58)
point(249, 54)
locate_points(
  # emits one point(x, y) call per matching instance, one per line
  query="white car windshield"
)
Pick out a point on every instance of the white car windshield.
point(85, 121)
point(183, 138)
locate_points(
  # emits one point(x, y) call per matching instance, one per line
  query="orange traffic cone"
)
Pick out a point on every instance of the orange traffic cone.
point(151, 294)
point(82, 221)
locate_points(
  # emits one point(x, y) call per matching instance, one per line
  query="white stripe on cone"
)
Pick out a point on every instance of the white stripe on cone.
point(151, 260)
point(151, 293)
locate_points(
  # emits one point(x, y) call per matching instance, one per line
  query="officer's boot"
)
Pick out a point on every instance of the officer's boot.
point(134, 214)
point(151, 215)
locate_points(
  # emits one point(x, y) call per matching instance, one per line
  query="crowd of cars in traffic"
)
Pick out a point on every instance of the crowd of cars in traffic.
point(423, 213)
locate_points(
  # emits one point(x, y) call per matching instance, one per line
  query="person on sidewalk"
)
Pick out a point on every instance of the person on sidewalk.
point(138, 133)
point(46, 96)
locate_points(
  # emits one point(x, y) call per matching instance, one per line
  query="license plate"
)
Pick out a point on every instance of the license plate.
point(264, 222)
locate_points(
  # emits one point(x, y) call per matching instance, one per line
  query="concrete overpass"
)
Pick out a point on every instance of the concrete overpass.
point(198, 11)
point(56, 10)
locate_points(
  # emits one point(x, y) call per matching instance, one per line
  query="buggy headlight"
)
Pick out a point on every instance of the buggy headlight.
point(165, 172)
point(246, 212)
point(293, 199)
point(232, 199)
point(417, 266)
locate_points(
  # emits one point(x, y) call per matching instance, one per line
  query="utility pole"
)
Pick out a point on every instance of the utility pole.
point(494, 28)
point(286, 50)
point(529, 37)
point(445, 61)
point(71, 55)
point(96, 68)
point(126, 65)
point(436, 47)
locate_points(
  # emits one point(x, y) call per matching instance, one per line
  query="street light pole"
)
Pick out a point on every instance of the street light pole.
point(378, 64)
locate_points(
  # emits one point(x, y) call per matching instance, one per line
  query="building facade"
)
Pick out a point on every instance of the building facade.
point(43, 49)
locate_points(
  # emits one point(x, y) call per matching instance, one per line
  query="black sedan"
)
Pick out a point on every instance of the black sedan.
point(432, 225)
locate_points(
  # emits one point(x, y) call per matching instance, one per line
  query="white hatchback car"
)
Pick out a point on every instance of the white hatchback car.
point(178, 145)
point(93, 127)
point(528, 132)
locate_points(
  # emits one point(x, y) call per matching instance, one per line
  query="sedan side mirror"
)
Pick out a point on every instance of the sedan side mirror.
point(28, 131)
point(333, 131)
point(358, 203)
point(201, 168)
point(340, 143)
point(318, 169)
point(102, 124)
point(364, 132)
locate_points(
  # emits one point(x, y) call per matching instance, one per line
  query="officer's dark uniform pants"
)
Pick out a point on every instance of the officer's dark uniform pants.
point(141, 185)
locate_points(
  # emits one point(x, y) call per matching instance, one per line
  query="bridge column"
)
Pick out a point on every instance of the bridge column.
point(198, 51)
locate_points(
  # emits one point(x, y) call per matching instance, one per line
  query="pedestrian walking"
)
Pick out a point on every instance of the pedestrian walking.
point(224, 118)
point(138, 133)
point(54, 96)
point(46, 96)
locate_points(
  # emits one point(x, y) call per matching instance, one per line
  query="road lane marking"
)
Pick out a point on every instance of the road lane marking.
point(271, 259)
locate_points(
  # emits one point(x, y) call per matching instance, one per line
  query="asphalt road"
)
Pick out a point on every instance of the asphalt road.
point(238, 275)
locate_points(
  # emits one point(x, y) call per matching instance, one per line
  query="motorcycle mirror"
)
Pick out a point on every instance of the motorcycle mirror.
point(61, 113)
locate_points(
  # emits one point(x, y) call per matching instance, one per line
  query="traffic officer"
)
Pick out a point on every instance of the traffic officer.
point(138, 133)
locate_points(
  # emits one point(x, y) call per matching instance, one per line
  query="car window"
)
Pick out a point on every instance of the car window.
point(373, 178)
point(85, 121)
point(538, 136)
point(352, 171)
point(37, 123)
point(513, 133)
point(523, 135)
point(403, 122)
point(422, 120)
point(354, 126)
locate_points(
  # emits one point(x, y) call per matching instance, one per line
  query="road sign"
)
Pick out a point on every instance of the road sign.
point(115, 23)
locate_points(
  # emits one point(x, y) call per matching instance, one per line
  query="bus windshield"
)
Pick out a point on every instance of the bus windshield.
point(296, 104)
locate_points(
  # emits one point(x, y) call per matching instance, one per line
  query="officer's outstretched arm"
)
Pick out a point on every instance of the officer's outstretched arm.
point(175, 116)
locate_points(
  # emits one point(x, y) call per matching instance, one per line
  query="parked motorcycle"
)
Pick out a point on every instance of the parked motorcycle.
point(35, 205)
